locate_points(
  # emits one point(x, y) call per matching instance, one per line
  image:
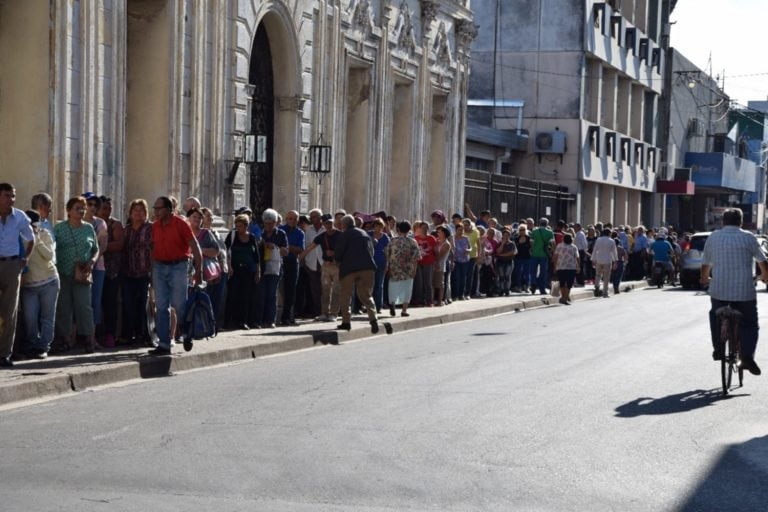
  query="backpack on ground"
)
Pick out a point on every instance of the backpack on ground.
point(199, 321)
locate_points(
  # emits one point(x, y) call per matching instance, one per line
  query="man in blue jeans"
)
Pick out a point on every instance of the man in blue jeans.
point(172, 243)
point(730, 253)
point(543, 244)
point(295, 237)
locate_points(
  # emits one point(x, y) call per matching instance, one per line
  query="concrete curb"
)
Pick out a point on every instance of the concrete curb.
point(25, 383)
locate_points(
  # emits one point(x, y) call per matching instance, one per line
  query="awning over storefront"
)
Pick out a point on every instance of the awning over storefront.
point(723, 171)
point(676, 187)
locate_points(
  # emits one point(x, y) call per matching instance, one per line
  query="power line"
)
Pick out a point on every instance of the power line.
point(501, 64)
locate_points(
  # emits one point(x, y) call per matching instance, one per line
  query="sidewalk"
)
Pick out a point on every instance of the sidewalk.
point(58, 375)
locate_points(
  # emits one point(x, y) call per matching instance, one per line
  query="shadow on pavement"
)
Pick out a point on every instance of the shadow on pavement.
point(327, 337)
point(66, 360)
point(671, 404)
point(736, 481)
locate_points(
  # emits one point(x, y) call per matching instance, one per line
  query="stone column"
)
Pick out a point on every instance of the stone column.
point(466, 31)
point(287, 142)
point(621, 202)
point(589, 200)
point(605, 211)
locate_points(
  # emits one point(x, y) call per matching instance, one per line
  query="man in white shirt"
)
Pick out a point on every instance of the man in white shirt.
point(580, 241)
point(16, 243)
point(313, 261)
point(604, 257)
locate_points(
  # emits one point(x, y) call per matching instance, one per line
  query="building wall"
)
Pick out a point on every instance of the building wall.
point(151, 97)
point(148, 80)
point(695, 112)
point(24, 85)
point(577, 72)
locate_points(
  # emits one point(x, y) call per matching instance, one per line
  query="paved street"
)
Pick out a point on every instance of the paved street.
point(603, 405)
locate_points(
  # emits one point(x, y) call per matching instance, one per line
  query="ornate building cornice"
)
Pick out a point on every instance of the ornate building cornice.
point(441, 47)
point(290, 103)
point(361, 15)
point(429, 10)
point(403, 32)
point(466, 32)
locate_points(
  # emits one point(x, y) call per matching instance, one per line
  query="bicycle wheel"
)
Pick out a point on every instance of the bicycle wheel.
point(737, 365)
point(725, 374)
point(726, 362)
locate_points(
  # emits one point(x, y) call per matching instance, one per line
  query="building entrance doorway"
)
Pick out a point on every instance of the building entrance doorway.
point(260, 76)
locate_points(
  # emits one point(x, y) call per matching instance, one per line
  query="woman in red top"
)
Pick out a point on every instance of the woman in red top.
point(422, 285)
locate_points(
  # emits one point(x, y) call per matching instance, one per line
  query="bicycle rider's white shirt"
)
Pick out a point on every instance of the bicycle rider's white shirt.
point(731, 252)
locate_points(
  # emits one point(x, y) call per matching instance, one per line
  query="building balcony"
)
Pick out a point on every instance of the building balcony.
point(613, 39)
point(613, 158)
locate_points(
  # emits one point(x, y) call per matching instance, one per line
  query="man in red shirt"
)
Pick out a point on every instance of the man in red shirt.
point(172, 243)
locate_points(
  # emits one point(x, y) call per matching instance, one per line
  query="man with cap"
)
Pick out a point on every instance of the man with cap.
point(295, 236)
point(16, 243)
point(663, 252)
point(329, 277)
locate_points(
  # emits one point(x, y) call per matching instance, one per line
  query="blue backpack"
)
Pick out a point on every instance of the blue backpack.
point(199, 321)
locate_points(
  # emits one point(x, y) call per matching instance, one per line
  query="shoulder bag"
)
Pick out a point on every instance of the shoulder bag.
point(82, 274)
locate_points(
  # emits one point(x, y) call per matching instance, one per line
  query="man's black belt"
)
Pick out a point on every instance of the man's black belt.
point(171, 262)
point(9, 258)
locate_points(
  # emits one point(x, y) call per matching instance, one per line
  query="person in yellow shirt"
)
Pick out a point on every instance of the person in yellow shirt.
point(40, 291)
point(471, 232)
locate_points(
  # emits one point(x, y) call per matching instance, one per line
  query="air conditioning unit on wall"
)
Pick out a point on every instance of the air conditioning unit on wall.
point(552, 141)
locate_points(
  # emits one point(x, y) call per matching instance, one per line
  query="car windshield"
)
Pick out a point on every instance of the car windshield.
point(698, 242)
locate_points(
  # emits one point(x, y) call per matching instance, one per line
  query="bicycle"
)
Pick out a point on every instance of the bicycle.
point(730, 341)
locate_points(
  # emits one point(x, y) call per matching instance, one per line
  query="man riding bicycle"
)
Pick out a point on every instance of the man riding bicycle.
point(730, 252)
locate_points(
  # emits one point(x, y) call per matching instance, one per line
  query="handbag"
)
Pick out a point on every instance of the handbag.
point(211, 266)
point(211, 270)
point(82, 274)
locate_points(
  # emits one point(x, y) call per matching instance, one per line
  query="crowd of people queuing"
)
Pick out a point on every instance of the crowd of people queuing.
point(94, 281)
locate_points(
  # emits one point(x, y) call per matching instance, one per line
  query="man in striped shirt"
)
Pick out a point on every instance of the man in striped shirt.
point(730, 253)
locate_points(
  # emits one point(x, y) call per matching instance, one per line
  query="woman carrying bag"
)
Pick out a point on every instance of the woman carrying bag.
point(76, 253)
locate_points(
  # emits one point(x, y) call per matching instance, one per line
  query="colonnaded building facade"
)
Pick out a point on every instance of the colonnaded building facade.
point(223, 99)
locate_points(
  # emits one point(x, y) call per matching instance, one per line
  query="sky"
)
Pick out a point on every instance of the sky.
point(733, 31)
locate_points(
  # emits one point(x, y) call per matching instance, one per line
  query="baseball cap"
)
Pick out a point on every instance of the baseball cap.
point(327, 217)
